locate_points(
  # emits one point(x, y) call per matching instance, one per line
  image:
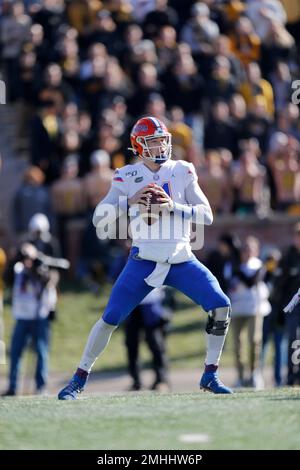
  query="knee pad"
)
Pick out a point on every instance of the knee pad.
point(218, 321)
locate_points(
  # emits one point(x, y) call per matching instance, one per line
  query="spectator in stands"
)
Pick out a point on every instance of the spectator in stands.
point(122, 12)
point(104, 31)
point(143, 52)
point(287, 123)
point(248, 177)
point(284, 165)
point(41, 46)
point(258, 123)
point(91, 86)
point(219, 132)
point(281, 82)
point(50, 15)
point(226, 160)
point(183, 87)
point(132, 36)
point(183, 142)
point(96, 54)
point(278, 45)
point(15, 30)
point(69, 143)
point(222, 47)
point(292, 114)
point(231, 13)
point(166, 47)
point(141, 8)
point(292, 10)
point(98, 181)
point(215, 183)
point(238, 116)
point(54, 88)
point(256, 86)
point(200, 31)
point(108, 138)
point(45, 134)
point(119, 108)
point(147, 84)
point(262, 13)
point(222, 84)
point(156, 107)
point(114, 82)
point(82, 14)
point(161, 15)
point(29, 69)
point(69, 202)
point(245, 43)
point(70, 63)
point(32, 197)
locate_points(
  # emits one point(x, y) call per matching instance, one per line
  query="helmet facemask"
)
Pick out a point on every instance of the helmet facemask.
point(158, 153)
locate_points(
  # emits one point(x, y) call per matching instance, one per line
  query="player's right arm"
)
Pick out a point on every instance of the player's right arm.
point(116, 201)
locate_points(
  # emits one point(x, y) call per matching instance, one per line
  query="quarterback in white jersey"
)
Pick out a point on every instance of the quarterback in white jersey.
point(161, 253)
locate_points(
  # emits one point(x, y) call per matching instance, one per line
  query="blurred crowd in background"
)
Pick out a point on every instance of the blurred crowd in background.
point(218, 72)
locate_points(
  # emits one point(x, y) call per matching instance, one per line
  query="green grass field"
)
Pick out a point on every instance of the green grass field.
point(245, 420)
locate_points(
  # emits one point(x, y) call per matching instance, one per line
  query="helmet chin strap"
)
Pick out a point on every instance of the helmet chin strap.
point(160, 160)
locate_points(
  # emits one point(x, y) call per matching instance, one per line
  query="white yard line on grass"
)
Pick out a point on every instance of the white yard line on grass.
point(191, 438)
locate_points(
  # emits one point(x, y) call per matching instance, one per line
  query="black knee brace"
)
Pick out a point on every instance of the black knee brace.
point(218, 321)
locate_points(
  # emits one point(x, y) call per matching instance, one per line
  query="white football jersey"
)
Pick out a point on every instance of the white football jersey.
point(174, 176)
point(168, 238)
point(171, 231)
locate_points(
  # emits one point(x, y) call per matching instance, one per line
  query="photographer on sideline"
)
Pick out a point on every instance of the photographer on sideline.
point(33, 302)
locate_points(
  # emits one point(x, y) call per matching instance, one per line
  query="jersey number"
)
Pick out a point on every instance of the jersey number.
point(167, 188)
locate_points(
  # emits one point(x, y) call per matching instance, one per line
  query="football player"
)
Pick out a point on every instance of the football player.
point(158, 260)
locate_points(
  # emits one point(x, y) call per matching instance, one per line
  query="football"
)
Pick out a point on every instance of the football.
point(152, 199)
point(152, 208)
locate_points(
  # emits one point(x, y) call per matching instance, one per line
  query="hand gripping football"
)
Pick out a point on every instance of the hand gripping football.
point(152, 211)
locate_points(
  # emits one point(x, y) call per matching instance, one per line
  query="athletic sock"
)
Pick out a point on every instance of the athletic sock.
point(97, 341)
point(214, 348)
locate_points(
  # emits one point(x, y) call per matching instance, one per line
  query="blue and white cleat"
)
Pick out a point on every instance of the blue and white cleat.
point(211, 383)
point(72, 390)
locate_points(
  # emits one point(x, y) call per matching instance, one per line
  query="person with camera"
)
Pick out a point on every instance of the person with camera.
point(33, 301)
